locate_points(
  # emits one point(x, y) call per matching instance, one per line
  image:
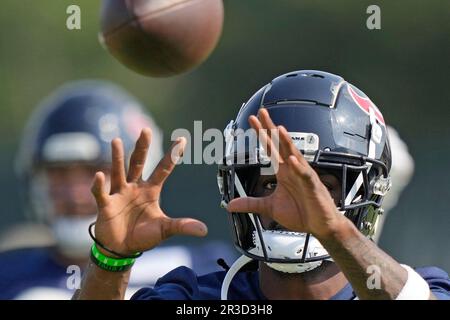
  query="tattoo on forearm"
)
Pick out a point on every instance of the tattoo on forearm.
point(358, 258)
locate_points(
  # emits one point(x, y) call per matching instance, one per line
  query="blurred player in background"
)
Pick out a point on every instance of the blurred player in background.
point(66, 141)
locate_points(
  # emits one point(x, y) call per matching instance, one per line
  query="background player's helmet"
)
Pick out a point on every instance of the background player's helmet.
point(338, 129)
point(76, 125)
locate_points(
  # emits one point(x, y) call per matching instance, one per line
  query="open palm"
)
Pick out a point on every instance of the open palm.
point(129, 218)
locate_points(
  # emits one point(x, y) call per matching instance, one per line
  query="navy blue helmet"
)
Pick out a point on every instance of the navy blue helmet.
point(76, 125)
point(338, 129)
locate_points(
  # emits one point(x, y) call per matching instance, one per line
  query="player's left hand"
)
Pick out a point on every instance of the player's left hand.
point(300, 201)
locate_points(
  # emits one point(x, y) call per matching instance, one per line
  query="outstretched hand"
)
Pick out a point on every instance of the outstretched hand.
point(129, 218)
point(300, 201)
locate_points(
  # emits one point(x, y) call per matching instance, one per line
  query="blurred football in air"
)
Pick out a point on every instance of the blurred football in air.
point(161, 38)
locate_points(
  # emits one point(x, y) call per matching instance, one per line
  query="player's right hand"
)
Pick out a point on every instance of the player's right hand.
point(130, 219)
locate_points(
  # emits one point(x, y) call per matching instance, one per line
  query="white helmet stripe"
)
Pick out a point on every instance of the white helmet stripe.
point(242, 194)
point(372, 148)
point(351, 194)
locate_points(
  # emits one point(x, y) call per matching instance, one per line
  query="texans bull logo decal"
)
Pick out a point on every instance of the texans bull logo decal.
point(366, 104)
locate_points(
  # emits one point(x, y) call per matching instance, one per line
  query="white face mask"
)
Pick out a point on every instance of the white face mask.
point(72, 236)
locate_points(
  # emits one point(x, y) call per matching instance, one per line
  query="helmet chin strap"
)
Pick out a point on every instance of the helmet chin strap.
point(237, 265)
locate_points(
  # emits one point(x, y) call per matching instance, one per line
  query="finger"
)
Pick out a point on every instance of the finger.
point(255, 124)
point(306, 173)
point(139, 155)
point(166, 165)
point(266, 121)
point(274, 133)
point(118, 179)
point(250, 204)
point(272, 130)
point(265, 141)
point(184, 226)
point(287, 147)
point(99, 190)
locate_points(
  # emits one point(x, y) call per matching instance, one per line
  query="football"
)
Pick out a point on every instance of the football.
point(161, 38)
